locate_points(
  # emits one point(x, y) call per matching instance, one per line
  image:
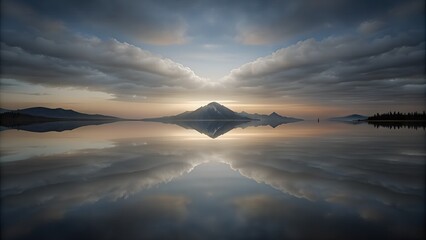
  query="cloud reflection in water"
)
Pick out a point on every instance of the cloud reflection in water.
point(372, 182)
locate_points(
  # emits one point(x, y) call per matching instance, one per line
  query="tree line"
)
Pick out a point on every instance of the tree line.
point(397, 116)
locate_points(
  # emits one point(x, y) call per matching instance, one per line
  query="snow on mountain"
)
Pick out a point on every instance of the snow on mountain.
point(212, 111)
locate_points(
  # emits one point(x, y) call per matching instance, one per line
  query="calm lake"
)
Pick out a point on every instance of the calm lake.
point(141, 180)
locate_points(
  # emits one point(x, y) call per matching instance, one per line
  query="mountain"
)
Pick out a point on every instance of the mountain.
point(273, 119)
point(211, 112)
point(215, 119)
point(61, 114)
point(349, 118)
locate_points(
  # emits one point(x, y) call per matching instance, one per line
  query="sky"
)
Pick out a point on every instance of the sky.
point(134, 59)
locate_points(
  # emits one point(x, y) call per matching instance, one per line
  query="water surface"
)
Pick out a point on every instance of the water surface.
point(139, 180)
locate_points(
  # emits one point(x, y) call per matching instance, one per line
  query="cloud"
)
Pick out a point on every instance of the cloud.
point(271, 22)
point(65, 59)
point(345, 68)
point(370, 26)
point(144, 21)
point(258, 22)
point(346, 53)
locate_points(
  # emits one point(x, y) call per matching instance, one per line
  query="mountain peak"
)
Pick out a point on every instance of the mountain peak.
point(212, 111)
point(214, 104)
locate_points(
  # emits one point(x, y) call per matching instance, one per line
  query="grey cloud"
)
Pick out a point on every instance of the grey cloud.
point(377, 63)
point(118, 68)
point(275, 21)
point(368, 69)
point(141, 20)
point(253, 22)
point(370, 26)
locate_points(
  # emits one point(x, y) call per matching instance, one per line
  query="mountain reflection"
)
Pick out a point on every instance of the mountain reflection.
point(214, 129)
point(376, 187)
point(210, 128)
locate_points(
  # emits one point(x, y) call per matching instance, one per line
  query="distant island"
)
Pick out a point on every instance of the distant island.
point(215, 119)
point(41, 119)
point(392, 120)
point(349, 118)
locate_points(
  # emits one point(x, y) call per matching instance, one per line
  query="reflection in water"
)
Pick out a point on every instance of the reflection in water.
point(347, 184)
point(399, 125)
point(57, 126)
point(212, 129)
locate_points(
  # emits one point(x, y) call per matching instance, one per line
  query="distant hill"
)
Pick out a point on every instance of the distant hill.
point(349, 118)
point(273, 119)
point(41, 115)
point(14, 118)
point(61, 113)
